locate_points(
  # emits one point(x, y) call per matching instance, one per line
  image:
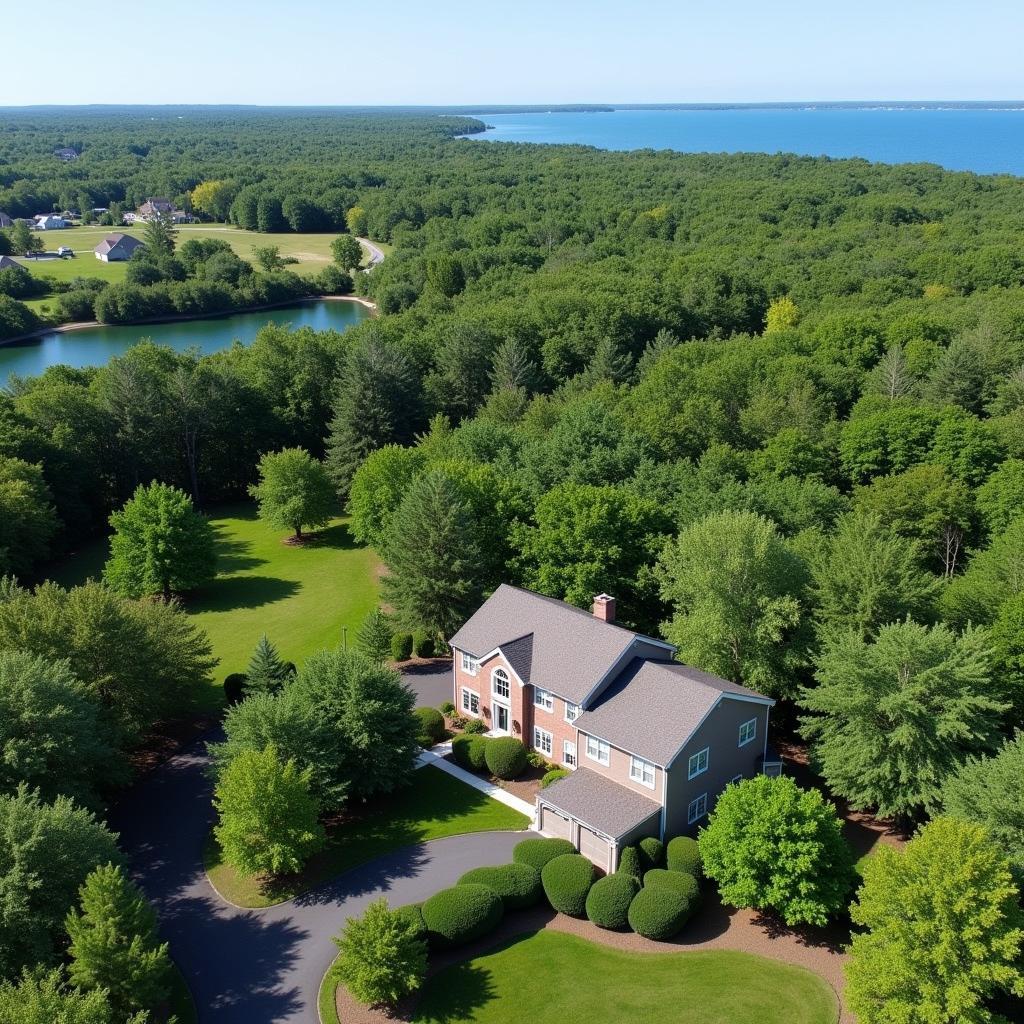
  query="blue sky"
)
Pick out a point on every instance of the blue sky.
point(493, 51)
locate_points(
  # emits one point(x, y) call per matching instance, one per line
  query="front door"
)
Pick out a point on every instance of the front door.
point(501, 718)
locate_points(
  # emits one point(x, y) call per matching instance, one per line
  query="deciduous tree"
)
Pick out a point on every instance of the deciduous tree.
point(347, 252)
point(294, 491)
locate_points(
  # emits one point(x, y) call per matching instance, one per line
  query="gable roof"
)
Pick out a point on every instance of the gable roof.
point(6, 263)
point(549, 643)
point(118, 240)
point(653, 707)
point(600, 802)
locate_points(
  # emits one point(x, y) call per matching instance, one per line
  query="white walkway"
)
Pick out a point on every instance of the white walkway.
point(436, 757)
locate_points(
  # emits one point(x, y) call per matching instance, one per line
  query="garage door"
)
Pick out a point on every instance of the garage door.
point(594, 847)
point(553, 824)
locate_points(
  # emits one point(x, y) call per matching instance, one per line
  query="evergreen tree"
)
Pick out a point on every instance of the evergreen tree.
point(376, 404)
point(891, 377)
point(374, 636)
point(267, 673)
point(654, 349)
point(432, 557)
point(512, 367)
point(46, 998)
point(608, 363)
point(160, 236)
point(114, 943)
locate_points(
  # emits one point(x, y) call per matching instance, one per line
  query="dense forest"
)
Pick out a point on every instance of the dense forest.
point(774, 404)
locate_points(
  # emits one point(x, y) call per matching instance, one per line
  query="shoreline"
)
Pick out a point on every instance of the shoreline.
point(82, 325)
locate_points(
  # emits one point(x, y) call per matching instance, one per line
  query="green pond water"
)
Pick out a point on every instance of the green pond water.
point(93, 346)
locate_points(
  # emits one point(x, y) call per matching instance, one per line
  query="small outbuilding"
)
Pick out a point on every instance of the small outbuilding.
point(50, 222)
point(117, 247)
point(6, 263)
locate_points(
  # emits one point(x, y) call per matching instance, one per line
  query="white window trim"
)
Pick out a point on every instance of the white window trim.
point(469, 664)
point(690, 772)
point(539, 734)
point(735, 778)
point(575, 714)
point(698, 802)
point(506, 679)
point(601, 745)
point(465, 693)
point(543, 699)
point(569, 759)
point(643, 765)
point(753, 735)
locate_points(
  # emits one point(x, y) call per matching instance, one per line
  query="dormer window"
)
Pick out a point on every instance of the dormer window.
point(500, 683)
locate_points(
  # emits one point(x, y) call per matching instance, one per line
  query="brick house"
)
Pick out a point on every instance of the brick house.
point(651, 743)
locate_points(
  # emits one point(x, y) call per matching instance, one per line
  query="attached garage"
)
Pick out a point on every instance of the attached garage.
point(595, 847)
point(554, 824)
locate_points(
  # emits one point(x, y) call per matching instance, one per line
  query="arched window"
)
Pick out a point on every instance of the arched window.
point(499, 683)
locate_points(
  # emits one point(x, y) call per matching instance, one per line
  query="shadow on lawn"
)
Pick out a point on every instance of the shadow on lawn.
point(466, 989)
point(337, 537)
point(233, 592)
point(233, 554)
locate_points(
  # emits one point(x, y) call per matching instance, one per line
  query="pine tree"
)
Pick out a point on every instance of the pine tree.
point(374, 636)
point(608, 362)
point(114, 943)
point(432, 558)
point(891, 377)
point(267, 673)
point(512, 367)
point(655, 348)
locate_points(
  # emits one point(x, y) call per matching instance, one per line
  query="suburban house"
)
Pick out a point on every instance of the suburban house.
point(49, 222)
point(6, 263)
point(651, 742)
point(116, 247)
point(158, 208)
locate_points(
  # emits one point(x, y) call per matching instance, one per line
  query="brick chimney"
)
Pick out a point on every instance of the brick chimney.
point(604, 607)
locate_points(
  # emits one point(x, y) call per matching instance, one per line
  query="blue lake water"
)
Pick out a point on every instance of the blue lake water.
point(93, 346)
point(987, 141)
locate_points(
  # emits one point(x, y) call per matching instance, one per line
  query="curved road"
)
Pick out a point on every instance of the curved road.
point(263, 966)
point(375, 253)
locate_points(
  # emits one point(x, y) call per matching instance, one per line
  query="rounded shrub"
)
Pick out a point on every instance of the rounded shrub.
point(652, 853)
point(553, 776)
point(431, 726)
point(537, 852)
point(447, 708)
point(682, 854)
point(678, 881)
point(629, 863)
point(517, 885)
point(469, 752)
point(658, 913)
point(423, 643)
point(234, 688)
point(475, 726)
point(567, 880)
point(506, 757)
point(609, 899)
point(413, 913)
point(461, 914)
point(401, 646)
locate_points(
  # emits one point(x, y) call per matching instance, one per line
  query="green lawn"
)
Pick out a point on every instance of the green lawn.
point(301, 597)
point(573, 981)
point(435, 805)
point(325, 1000)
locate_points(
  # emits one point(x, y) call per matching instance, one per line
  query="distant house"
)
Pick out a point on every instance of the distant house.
point(66, 153)
point(158, 208)
point(50, 222)
point(5, 220)
point(116, 248)
point(6, 263)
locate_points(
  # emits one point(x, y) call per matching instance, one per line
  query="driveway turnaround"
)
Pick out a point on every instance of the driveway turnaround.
point(263, 966)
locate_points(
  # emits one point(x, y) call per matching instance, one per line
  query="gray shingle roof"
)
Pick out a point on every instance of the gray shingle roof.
point(600, 802)
point(652, 707)
point(569, 648)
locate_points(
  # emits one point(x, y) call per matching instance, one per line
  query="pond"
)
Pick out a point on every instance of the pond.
point(93, 346)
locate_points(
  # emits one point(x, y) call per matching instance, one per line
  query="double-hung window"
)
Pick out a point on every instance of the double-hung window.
point(470, 701)
point(469, 664)
point(499, 682)
point(569, 753)
point(698, 763)
point(543, 699)
point(748, 732)
point(542, 741)
point(572, 712)
point(598, 750)
point(697, 809)
point(641, 771)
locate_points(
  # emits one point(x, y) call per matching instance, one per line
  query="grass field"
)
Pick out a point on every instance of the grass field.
point(578, 982)
point(434, 806)
point(301, 597)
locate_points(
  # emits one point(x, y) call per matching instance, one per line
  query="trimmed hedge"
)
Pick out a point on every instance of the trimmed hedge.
point(679, 881)
point(553, 776)
point(517, 885)
point(537, 852)
point(401, 646)
point(652, 853)
point(506, 757)
point(469, 752)
point(475, 726)
point(567, 880)
point(629, 863)
point(413, 913)
point(461, 914)
point(658, 913)
point(431, 726)
point(682, 854)
point(424, 644)
point(609, 900)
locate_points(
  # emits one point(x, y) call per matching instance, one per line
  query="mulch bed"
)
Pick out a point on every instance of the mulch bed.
point(166, 740)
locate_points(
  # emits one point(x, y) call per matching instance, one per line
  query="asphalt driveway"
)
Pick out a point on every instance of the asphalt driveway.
point(263, 966)
point(431, 682)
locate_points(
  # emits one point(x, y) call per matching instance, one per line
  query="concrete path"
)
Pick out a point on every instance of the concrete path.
point(436, 756)
point(263, 966)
